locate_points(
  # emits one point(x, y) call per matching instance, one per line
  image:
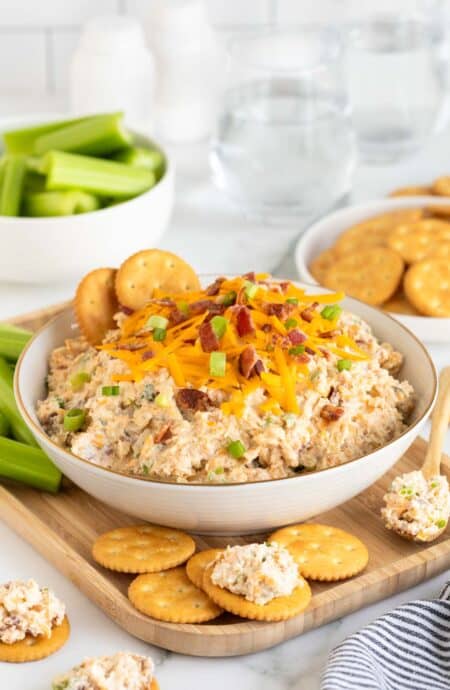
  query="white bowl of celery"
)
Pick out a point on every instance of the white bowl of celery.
point(76, 194)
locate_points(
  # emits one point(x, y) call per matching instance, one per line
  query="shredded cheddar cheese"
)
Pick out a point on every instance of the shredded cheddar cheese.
point(282, 371)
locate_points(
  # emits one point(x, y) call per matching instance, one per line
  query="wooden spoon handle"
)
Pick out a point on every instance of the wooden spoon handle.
point(439, 424)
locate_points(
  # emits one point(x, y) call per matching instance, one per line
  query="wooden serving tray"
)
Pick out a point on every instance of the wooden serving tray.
point(63, 527)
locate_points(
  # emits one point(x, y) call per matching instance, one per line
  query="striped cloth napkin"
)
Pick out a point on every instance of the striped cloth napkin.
point(406, 649)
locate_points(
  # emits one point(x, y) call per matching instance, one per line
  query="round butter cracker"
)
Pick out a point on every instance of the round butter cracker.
point(171, 596)
point(398, 304)
point(371, 275)
point(278, 609)
point(142, 549)
point(414, 241)
point(323, 553)
point(153, 269)
point(427, 286)
point(96, 303)
point(419, 190)
point(441, 186)
point(197, 564)
point(320, 265)
point(35, 648)
point(373, 232)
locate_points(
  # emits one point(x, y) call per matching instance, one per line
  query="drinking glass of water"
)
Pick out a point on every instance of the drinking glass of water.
point(395, 82)
point(284, 145)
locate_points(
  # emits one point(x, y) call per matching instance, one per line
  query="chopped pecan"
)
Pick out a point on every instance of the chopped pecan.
point(309, 351)
point(281, 311)
point(163, 435)
point(330, 334)
point(148, 354)
point(309, 313)
point(331, 413)
point(193, 399)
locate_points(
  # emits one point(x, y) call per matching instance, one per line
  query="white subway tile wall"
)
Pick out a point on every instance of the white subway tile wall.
point(38, 37)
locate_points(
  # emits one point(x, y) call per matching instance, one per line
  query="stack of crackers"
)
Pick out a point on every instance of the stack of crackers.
point(174, 583)
point(398, 260)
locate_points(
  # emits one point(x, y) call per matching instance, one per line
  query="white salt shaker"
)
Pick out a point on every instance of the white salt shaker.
point(188, 58)
point(112, 69)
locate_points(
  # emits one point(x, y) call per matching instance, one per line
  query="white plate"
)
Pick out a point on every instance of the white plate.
point(324, 233)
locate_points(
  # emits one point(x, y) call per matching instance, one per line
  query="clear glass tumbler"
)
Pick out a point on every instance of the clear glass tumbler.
point(395, 81)
point(284, 145)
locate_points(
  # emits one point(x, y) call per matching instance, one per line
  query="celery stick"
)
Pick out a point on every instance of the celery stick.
point(9, 407)
point(152, 159)
point(4, 425)
point(12, 341)
point(33, 183)
point(35, 164)
point(28, 465)
point(102, 177)
point(95, 137)
point(60, 203)
point(22, 140)
point(12, 186)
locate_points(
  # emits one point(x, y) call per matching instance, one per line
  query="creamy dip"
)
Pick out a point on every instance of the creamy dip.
point(27, 609)
point(121, 671)
point(258, 572)
point(417, 507)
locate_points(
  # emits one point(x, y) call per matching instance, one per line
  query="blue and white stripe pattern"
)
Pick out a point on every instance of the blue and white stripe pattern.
point(406, 649)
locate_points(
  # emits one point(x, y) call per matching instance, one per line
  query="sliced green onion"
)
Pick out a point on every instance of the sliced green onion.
point(441, 523)
point(78, 380)
point(110, 390)
point(22, 140)
point(296, 350)
point(219, 470)
point(331, 312)
point(68, 203)
point(229, 298)
point(161, 400)
point(9, 407)
point(29, 465)
point(4, 425)
point(157, 322)
point(142, 157)
point(159, 334)
point(217, 363)
point(250, 289)
point(12, 185)
point(183, 307)
point(344, 364)
point(96, 175)
point(292, 300)
point(219, 325)
point(236, 449)
point(95, 136)
point(74, 419)
point(290, 323)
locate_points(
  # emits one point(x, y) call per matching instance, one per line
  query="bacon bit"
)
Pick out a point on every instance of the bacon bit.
point(163, 435)
point(201, 306)
point(325, 353)
point(250, 276)
point(331, 413)
point(330, 334)
point(148, 354)
point(249, 362)
point(214, 288)
point(284, 285)
point(125, 310)
point(309, 351)
point(303, 358)
point(266, 327)
point(296, 337)
point(208, 339)
point(244, 322)
point(176, 317)
point(241, 297)
point(281, 311)
point(193, 399)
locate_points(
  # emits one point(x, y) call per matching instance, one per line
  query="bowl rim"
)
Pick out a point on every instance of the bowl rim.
point(172, 485)
point(24, 220)
point(371, 206)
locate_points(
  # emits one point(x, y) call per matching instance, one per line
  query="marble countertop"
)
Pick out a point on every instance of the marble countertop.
point(213, 236)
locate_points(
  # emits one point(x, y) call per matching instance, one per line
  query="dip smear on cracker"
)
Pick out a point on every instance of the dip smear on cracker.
point(249, 379)
point(121, 671)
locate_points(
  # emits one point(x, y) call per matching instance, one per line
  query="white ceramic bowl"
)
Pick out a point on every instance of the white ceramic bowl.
point(230, 508)
point(323, 234)
point(61, 249)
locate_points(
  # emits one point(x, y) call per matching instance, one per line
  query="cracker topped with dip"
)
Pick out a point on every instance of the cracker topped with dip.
point(121, 671)
point(246, 379)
